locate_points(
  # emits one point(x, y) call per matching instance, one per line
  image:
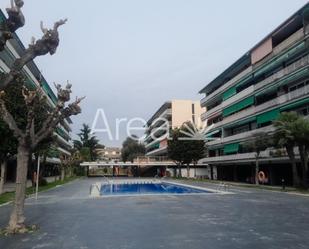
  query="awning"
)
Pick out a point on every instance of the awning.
point(238, 106)
point(231, 148)
point(276, 61)
point(295, 104)
point(286, 80)
point(229, 93)
point(268, 116)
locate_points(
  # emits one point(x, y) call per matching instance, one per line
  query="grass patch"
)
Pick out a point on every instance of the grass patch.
point(7, 197)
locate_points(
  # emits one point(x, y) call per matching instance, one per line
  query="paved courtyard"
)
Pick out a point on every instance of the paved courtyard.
point(69, 219)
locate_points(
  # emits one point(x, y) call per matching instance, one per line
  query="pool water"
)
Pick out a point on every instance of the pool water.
point(150, 188)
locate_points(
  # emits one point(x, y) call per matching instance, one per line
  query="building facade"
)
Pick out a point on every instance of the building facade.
point(33, 79)
point(271, 78)
point(170, 115)
point(109, 154)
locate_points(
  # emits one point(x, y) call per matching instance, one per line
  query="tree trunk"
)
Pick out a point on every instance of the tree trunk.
point(257, 169)
point(62, 173)
point(179, 171)
point(2, 176)
point(304, 165)
point(188, 171)
point(296, 180)
point(17, 219)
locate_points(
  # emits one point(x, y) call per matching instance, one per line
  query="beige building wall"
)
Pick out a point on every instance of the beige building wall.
point(182, 112)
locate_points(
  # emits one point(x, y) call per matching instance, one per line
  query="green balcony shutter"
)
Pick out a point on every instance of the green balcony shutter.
point(295, 104)
point(229, 93)
point(268, 116)
point(231, 148)
point(238, 106)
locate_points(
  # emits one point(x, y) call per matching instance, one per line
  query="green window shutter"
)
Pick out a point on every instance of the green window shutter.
point(244, 81)
point(295, 104)
point(229, 93)
point(231, 148)
point(238, 106)
point(268, 116)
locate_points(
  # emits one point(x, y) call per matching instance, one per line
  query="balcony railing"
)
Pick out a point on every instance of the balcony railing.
point(240, 136)
point(154, 152)
point(235, 157)
point(304, 61)
point(226, 85)
point(297, 36)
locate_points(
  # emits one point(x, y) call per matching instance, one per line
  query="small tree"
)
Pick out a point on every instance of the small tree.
point(185, 147)
point(131, 149)
point(285, 137)
point(260, 142)
point(86, 140)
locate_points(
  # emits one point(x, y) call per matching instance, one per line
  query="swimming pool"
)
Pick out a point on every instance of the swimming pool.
point(148, 188)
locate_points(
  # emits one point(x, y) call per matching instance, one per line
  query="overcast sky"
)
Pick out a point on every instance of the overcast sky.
point(129, 56)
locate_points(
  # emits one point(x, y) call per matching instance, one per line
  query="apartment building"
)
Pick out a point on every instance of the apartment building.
point(109, 154)
point(15, 49)
point(271, 78)
point(170, 115)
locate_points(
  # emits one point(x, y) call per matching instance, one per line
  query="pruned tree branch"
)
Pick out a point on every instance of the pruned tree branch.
point(8, 118)
point(15, 21)
point(59, 114)
point(47, 44)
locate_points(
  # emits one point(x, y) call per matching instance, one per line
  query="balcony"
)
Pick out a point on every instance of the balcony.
point(234, 158)
point(159, 151)
point(297, 36)
point(164, 128)
point(158, 140)
point(303, 62)
point(226, 85)
point(253, 110)
point(156, 123)
point(212, 111)
point(240, 136)
point(283, 99)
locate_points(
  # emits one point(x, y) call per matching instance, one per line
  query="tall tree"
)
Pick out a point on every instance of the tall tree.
point(258, 143)
point(29, 135)
point(185, 147)
point(285, 137)
point(131, 149)
point(294, 132)
point(87, 140)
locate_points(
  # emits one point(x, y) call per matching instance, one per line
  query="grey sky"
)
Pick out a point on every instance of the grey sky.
point(130, 56)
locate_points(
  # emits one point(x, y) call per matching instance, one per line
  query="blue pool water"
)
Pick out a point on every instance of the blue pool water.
point(151, 188)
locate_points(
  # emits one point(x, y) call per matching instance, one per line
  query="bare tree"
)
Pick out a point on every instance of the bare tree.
point(30, 137)
point(15, 21)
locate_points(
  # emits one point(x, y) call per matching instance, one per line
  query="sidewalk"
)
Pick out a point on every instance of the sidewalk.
point(10, 186)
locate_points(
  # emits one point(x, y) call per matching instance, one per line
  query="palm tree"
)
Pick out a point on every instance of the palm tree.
point(285, 137)
point(87, 141)
point(301, 131)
